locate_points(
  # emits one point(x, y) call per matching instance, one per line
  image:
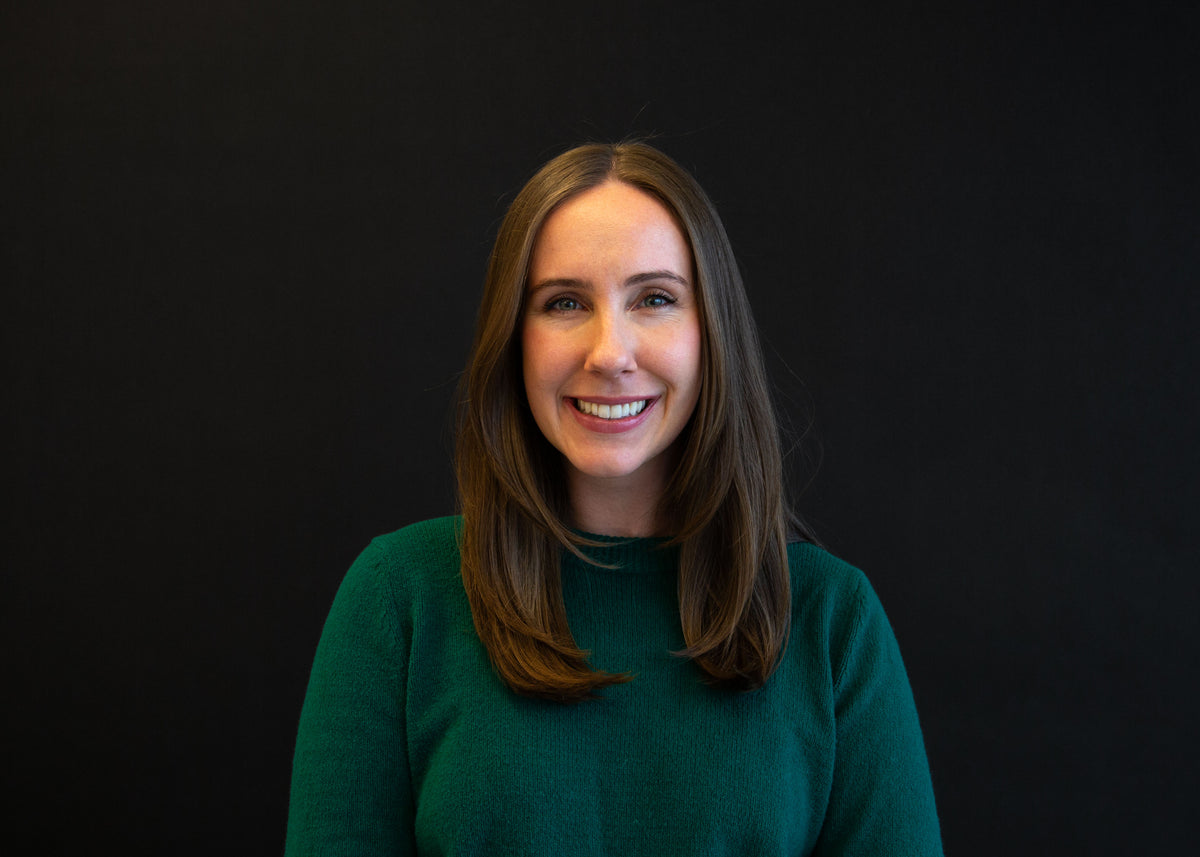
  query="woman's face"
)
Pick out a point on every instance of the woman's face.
point(611, 335)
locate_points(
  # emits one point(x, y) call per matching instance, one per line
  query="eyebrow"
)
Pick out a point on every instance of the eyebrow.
point(635, 280)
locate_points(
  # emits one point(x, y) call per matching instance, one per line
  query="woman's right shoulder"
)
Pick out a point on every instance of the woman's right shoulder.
point(415, 561)
point(431, 542)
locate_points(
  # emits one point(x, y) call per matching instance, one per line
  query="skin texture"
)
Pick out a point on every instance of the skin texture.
point(611, 317)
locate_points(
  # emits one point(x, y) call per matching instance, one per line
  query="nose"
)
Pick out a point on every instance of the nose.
point(612, 346)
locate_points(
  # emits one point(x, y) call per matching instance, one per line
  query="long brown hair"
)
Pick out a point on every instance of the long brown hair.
point(726, 496)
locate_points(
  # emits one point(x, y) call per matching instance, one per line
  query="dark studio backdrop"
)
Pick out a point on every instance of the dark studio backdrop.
point(242, 248)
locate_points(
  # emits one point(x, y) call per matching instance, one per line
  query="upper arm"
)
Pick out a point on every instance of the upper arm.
point(881, 800)
point(351, 792)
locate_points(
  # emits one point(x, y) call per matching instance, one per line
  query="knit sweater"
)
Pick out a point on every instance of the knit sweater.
point(410, 744)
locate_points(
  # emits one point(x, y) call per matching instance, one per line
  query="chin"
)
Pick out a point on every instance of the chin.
point(610, 467)
point(604, 471)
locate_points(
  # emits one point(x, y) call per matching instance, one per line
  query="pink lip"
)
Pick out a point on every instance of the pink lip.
point(602, 426)
point(612, 400)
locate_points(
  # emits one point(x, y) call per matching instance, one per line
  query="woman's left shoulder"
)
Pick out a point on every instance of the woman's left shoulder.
point(813, 568)
point(829, 590)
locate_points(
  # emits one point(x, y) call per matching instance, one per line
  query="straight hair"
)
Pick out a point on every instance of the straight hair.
point(725, 499)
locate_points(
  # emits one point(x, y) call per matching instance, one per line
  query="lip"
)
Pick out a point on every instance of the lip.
point(603, 426)
point(611, 400)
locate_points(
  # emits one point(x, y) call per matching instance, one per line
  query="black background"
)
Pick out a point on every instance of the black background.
point(242, 248)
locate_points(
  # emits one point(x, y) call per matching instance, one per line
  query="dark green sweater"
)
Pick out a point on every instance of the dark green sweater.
point(410, 744)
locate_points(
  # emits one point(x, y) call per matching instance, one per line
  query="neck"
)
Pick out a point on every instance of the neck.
point(619, 506)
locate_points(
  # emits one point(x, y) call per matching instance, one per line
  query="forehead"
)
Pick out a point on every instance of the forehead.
point(611, 224)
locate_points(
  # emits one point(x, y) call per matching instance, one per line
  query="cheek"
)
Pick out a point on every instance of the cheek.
point(542, 362)
point(533, 355)
point(527, 348)
point(682, 359)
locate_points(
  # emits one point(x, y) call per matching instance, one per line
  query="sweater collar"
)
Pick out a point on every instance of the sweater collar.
point(624, 555)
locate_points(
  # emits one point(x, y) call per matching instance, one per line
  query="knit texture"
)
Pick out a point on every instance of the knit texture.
point(410, 744)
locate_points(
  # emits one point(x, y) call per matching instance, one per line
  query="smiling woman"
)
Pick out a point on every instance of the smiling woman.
point(611, 348)
point(626, 643)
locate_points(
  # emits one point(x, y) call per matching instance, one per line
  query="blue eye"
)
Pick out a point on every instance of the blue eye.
point(656, 300)
point(563, 304)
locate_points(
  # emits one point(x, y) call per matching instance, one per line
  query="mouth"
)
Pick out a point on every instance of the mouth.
point(611, 411)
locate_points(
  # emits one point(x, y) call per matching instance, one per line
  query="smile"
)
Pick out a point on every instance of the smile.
point(610, 412)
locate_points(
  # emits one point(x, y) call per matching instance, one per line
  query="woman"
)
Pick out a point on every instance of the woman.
point(625, 644)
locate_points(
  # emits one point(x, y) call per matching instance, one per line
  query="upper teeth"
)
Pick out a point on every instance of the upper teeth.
point(610, 412)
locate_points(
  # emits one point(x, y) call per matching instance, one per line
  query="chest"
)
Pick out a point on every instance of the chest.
point(662, 765)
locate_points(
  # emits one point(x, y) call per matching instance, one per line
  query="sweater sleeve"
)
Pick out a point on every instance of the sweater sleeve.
point(351, 793)
point(881, 801)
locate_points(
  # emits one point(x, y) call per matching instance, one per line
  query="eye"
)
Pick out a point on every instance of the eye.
point(563, 303)
point(655, 300)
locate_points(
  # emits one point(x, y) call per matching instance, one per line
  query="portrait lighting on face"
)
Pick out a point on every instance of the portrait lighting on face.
point(610, 340)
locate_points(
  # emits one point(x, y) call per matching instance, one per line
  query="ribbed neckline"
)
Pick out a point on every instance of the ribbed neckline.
point(626, 555)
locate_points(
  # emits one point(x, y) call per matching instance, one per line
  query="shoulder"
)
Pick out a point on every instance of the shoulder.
point(834, 600)
point(425, 544)
point(817, 574)
point(409, 565)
